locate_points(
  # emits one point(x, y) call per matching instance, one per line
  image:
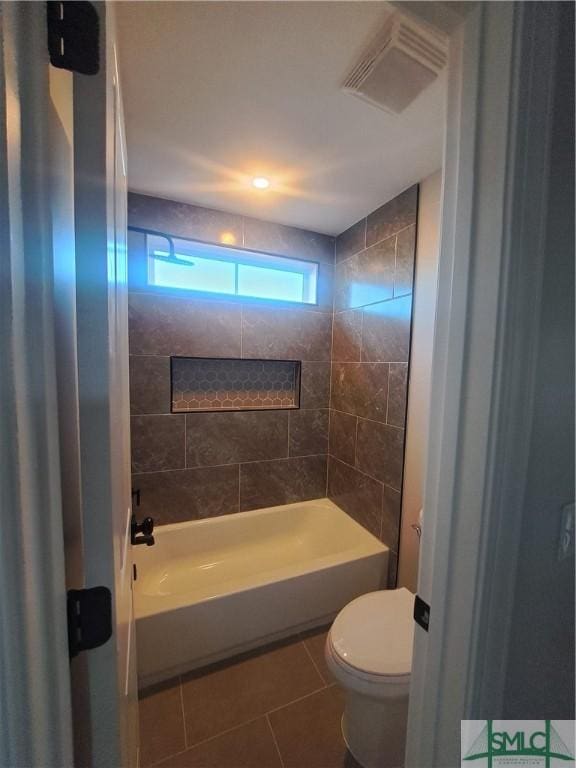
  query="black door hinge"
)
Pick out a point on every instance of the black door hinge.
point(421, 613)
point(73, 36)
point(89, 618)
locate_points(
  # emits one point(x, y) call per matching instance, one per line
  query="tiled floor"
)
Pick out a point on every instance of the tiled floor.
point(273, 708)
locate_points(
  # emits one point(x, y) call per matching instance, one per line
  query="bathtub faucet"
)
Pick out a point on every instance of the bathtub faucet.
point(141, 533)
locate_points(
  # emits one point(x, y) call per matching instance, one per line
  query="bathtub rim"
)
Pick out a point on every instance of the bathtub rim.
point(146, 605)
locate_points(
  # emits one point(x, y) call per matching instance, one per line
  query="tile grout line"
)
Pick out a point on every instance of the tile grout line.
point(382, 514)
point(183, 711)
point(228, 357)
point(241, 332)
point(354, 362)
point(365, 474)
point(241, 463)
point(185, 442)
point(395, 267)
point(275, 740)
point(331, 374)
point(325, 687)
point(243, 724)
point(388, 396)
point(239, 485)
point(358, 416)
point(320, 675)
point(205, 741)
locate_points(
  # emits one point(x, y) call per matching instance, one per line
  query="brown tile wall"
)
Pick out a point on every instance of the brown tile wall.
point(369, 376)
point(354, 348)
point(198, 465)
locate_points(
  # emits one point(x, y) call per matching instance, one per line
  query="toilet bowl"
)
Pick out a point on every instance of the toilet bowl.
point(369, 652)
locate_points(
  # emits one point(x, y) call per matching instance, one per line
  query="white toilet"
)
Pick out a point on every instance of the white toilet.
point(369, 652)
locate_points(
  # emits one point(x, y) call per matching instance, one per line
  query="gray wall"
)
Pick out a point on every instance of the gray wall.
point(197, 465)
point(370, 352)
point(540, 674)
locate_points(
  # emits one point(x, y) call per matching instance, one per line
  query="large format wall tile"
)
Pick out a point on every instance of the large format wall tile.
point(358, 495)
point(308, 432)
point(284, 481)
point(380, 452)
point(288, 241)
point(367, 277)
point(405, 253)
point(397, 392)
point(157, 443)
point(289, 334)
point(343, 436)
point(230, 438)
point(392, 217)
point(188, 494)
point(391, 518)
point(392, 569)
point(347, 336)
point(166, 323)
point(325, 289)
point(374, 276)
point(161, 325)
point(182, 219)
point(351, 241)
point(386, 331)
point(315, 385)
point(360, 389)
point(149, 384)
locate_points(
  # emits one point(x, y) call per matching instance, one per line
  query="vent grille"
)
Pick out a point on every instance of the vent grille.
point(398, 65)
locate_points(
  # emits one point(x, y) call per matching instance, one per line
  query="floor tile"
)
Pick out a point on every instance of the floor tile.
point(161, 723)
point(308, 732)
point(227, 695)
point(315, 640)
point(249, 746)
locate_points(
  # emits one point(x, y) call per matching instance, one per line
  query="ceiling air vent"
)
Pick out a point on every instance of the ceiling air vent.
point(400, 63)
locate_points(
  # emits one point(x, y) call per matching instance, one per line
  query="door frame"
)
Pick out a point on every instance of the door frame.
point(491, 269)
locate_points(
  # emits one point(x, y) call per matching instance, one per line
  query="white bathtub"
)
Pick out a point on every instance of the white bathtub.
point(212, 588)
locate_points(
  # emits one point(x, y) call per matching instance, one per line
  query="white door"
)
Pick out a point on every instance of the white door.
point(36, 247)
point(64, 421)
point(102, 337)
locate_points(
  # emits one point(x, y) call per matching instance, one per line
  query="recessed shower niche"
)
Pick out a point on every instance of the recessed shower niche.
point(216, 384)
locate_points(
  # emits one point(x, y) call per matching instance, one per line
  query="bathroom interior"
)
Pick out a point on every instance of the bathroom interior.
point(284, 167)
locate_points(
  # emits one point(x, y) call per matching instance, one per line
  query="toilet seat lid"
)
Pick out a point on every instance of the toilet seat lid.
point(374, 633)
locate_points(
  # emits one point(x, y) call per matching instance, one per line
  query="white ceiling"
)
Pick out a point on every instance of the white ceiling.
point(218, 92)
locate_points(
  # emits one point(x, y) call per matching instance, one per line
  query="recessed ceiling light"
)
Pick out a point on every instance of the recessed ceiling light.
point(228, 238)
point(260, 182)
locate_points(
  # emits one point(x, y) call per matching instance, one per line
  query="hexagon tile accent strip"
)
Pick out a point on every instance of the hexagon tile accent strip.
point(212, 384)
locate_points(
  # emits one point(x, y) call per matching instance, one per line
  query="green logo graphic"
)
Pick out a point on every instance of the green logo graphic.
point(544, 744)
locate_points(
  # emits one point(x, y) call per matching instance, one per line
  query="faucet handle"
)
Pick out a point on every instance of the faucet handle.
point(146, 526)
point(141, 533)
